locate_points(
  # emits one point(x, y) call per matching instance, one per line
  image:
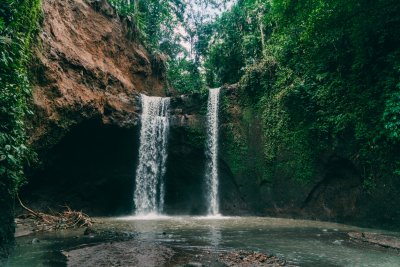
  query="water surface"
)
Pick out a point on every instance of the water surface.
point(305, 243)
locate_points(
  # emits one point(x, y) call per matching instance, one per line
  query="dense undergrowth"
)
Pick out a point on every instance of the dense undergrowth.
point(18, 23)
point(325, 79)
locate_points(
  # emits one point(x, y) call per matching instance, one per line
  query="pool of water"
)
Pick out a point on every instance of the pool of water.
point(302, 242)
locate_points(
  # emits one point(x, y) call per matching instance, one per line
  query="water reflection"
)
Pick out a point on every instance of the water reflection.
point(215, 237)
point(307, 243)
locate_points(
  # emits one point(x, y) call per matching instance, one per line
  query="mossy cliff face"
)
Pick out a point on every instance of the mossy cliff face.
point(273, 187)
point(298, 178)
point(185, 177)
point(241, 148)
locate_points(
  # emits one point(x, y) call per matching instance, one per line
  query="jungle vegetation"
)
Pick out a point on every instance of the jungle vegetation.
point(19, 19)
point(324, 76)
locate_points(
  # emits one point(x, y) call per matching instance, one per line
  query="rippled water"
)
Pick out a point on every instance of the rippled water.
point(305, 243)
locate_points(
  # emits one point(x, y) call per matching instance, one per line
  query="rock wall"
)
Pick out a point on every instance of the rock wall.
point(92, 168)
point(88, 65)
point(185, 177)
point(266, 189)
point(88, 71)
point(334, 192)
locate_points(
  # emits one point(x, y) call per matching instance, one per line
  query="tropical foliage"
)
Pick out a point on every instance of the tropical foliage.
point(162, 26)
point(18, 22)
point(325, 76)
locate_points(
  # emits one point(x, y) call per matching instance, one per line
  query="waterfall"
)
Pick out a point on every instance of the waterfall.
point(212, 152)
point(149, 193)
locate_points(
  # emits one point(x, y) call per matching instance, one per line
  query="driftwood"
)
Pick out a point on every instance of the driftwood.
point(64, 220)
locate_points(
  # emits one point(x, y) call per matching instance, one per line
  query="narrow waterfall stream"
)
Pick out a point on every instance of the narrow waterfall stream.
point(149, 192)
point(212, 152)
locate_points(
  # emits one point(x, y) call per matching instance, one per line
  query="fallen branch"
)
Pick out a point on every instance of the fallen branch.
point(27, 209)
point(65, 220)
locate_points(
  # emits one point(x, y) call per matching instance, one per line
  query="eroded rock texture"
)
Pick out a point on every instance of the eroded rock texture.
point(88, 72)
point(88, 66)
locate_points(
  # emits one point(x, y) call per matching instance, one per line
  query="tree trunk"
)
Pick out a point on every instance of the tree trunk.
point(136, 8)
point(262, 34)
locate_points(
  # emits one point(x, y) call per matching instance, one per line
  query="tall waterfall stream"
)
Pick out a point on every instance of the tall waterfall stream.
point(150, 189)
point(212, 152)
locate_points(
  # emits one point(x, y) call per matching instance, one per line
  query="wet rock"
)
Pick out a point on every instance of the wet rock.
point(251, 258)
point(89, 231)
point(194, 264)
point(109, 235)
point(129, 253)
point(338, 242)
point(376, 239)
point(35, 241)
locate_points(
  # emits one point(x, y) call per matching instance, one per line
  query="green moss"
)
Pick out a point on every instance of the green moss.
point(235, 148)
point(195, 137)
point(234, 141)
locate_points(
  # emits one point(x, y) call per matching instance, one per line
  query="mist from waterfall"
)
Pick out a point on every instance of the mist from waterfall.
point(150, 188)
point(212, 152)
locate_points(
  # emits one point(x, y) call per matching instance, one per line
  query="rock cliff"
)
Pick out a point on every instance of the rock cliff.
point(88, 70)
point(88, 65)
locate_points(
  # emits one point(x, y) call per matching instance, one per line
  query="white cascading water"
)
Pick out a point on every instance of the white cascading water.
point(212, 152)
point(149, 192)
